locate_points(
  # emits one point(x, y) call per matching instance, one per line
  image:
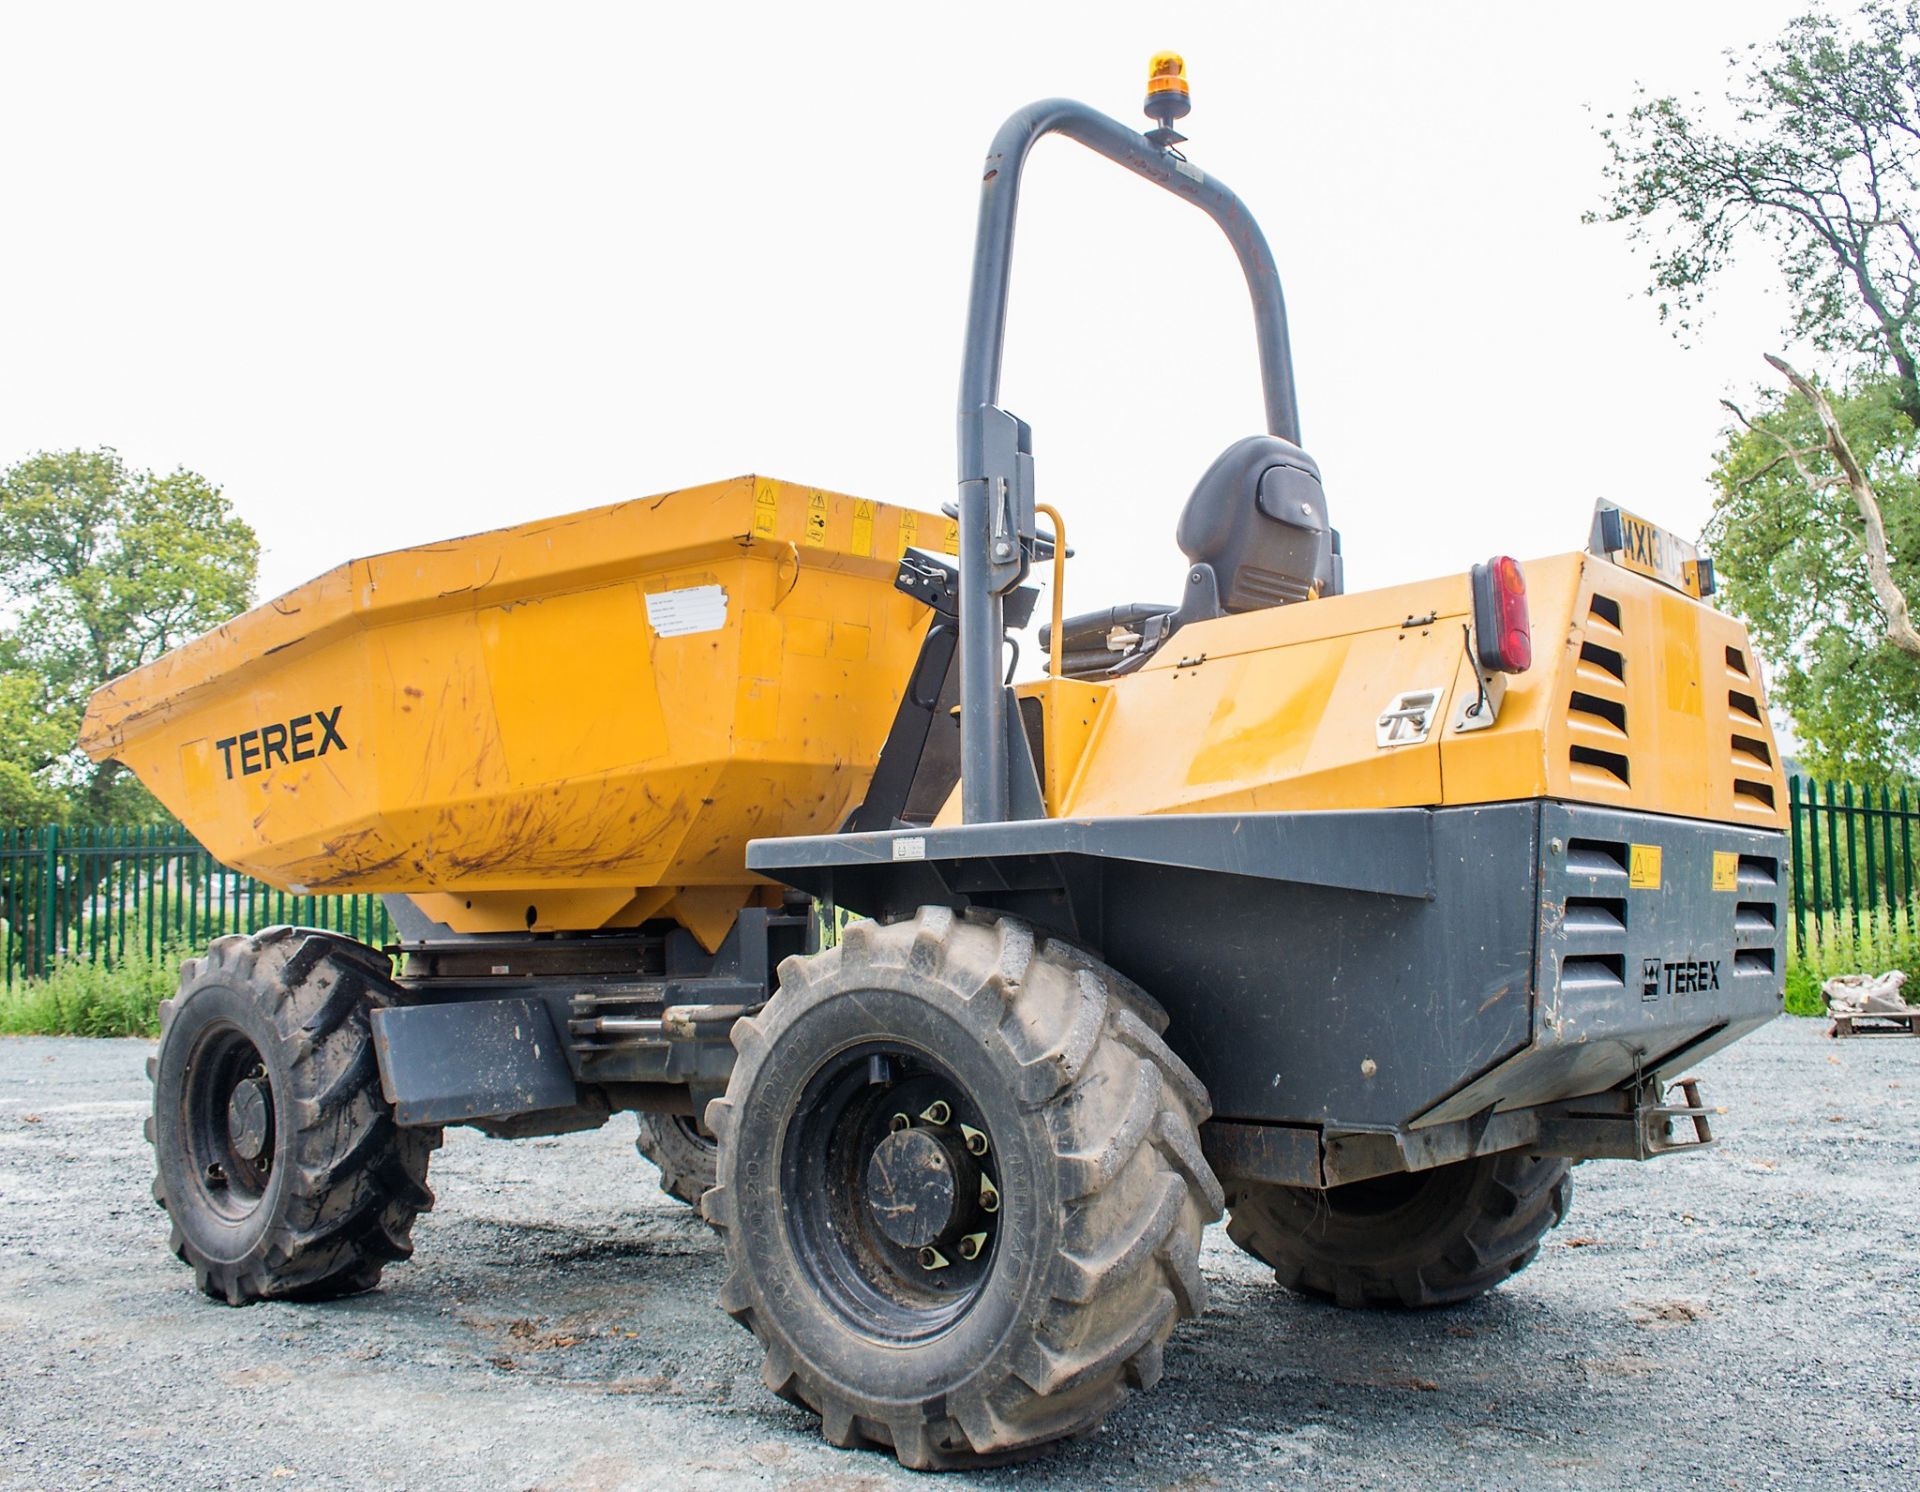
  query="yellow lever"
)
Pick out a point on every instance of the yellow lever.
point(1056, 643)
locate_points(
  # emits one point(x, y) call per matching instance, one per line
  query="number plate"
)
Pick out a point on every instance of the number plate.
point(1645, 548)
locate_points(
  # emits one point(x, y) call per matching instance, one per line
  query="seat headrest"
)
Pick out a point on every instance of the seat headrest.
point(1258, 517)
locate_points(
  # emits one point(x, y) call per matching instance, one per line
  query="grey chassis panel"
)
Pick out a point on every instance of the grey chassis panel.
point(1386, 851)
point(1359, 972)
point(1300, 955)
point(440, 1064)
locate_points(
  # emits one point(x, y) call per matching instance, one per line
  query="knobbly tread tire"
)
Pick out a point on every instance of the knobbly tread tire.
point(1474, 1224)
point(347, 1182)
point(1113, 1259)
point(687, 1162)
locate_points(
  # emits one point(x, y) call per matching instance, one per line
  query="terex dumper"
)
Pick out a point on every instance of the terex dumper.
point(1358, 917)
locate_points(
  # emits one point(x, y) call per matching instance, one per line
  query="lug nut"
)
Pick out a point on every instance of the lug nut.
point(899, 1122)
point(989, 1196)
point(976, 1141)
point(931, 1258)
point(937, 1112)
point(971, 1245)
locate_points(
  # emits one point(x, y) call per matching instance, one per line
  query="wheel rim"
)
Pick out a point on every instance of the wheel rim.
point(229, 1121)
point(894, 1223)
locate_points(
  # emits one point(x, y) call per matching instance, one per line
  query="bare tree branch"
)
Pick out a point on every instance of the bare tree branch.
point(1790, 452)
point(1899, 618)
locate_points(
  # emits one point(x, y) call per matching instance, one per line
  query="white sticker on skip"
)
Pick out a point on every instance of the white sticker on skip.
point(697, 608)
point(912, 847)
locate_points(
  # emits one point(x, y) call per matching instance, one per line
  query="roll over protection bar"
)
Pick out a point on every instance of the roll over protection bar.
point(996, 450)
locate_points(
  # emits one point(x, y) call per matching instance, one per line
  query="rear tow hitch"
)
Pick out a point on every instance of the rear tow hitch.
point(1660, 1122)
point(1628, 1123)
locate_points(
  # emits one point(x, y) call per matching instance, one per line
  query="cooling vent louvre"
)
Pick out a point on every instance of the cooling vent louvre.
point(1592, 972)
point(1751, 756)
point(1757, 916)
point(1593, 925)
point(1597, 750)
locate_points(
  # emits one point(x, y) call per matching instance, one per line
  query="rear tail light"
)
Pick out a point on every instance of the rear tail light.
point(1503, 635)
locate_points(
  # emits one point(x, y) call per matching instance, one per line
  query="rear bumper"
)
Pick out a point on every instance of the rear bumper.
point(1657, 941)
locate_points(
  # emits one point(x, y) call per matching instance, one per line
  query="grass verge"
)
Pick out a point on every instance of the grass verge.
point(87, 999)
point(1884, 940)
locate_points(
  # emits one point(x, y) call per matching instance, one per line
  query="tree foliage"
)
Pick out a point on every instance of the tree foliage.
point(1788, 554)
point(103, 569)
point(1816, 162)
point(31, 742)
point(1813, 160)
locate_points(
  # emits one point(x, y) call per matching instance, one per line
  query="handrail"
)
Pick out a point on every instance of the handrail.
point(993, 247)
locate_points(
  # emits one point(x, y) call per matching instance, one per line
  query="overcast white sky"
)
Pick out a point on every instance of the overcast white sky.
point(388, 273)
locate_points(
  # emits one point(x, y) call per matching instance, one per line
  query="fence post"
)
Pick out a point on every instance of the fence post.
point(1853, 858)
point(49, 875)
point(1797, 853)
point(1866, 823)
point(1813, 859)
point(1906, 857)
point(11, 940)
point(1833, 853)
point(1886, 848)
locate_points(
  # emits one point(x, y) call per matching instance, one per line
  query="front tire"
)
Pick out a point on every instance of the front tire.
point(961, 1189)
point(1417, 1239)
point(278, 1161)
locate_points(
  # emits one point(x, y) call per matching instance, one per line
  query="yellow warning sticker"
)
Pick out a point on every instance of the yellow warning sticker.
point(862, 526)
point(817, 519)
point(1726, 870)
point(1643, 867)
point(950, 540)
point(766, 507)
point(909, 531)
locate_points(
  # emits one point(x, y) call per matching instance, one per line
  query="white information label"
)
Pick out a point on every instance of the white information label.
point(911, 847)
point(697, 608)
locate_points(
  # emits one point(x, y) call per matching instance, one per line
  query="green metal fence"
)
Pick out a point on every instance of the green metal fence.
point(1852, 857)
point(99, 893)
point(102, 893)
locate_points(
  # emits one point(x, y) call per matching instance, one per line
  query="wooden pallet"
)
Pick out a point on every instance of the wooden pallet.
point(1877, 1023)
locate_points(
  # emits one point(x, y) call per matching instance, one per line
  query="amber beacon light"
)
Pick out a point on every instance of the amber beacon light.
point(1167, 97)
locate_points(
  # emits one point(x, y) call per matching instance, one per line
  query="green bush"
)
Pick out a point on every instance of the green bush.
point(1884, 941)
point(88, 999)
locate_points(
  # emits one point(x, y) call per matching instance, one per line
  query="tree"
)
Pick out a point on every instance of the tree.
point(103, 569)
point(31, 741)
point(1787, 536)
point(1818, 166)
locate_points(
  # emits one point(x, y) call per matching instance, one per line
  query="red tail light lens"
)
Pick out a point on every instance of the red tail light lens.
point(1503, 635)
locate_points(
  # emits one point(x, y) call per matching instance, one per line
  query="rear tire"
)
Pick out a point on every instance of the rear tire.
point(688, 1157)
point(278, 1160)
point(1418, 1239)
point(961, 1189)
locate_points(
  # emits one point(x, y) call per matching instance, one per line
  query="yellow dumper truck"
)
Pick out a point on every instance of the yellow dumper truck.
point(1359, 917)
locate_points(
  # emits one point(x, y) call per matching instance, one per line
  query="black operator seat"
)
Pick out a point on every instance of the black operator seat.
point(1255, 534)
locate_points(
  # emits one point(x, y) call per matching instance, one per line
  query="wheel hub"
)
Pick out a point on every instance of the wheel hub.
point(917, 1185)
point(250, 1117)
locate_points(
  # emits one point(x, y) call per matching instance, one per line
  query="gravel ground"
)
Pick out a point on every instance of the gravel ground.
point(1746, 1317)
